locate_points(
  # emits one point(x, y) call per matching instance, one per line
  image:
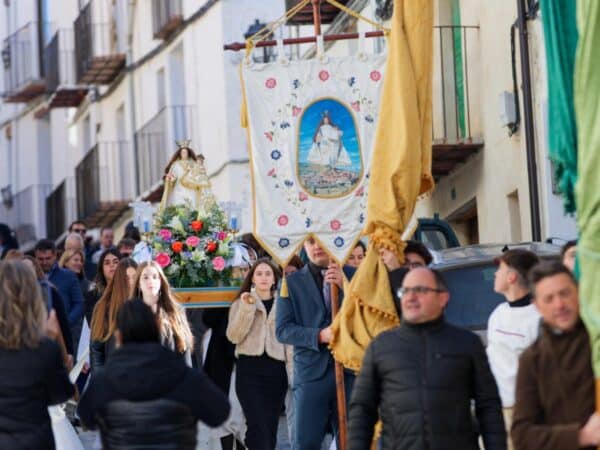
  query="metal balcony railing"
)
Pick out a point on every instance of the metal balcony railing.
point(305, 16)
point(457, 121)
point(61, 208)
point(455, 108)
point(167, 16)
point(98, 58)
point(156, 142)
point(105, 182)
point(59, 69)
point(27, 214)
point(23, 71)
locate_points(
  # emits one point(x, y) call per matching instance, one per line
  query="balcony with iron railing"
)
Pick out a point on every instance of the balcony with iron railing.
point(457, 130)
point(167, 16)
point(21, 58)
point(305, 15)
point(156, 144)
point(59, 70)
point(98, 58)
point(61, 208)
point(26, 213)
point(105, 183)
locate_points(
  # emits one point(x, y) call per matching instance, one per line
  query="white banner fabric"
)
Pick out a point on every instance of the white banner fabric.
point(311, 130)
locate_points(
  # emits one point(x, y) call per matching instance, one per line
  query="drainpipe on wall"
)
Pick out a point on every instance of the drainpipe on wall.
point(129, 55)
point(534, 198)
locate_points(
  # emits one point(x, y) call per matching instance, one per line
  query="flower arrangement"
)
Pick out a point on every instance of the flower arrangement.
point(192, 249)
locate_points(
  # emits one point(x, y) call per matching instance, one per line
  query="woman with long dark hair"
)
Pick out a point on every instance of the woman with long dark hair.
point(107, 264)
point(261, 379)
point(33, 375)
point(104, 319)
point(151, 285)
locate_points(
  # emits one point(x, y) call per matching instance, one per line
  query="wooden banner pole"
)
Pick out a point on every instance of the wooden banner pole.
point(339, 380)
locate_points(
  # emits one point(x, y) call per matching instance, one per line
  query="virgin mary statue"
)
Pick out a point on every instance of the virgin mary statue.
point(186, 181)
point(328, 148)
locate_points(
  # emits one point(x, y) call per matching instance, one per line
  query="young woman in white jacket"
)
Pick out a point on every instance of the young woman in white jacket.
point(261, 379)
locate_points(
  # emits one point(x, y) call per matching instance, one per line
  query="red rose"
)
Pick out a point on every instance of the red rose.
point(177, 246)
point(211, 247)
point(196, 225)
point(163, 260)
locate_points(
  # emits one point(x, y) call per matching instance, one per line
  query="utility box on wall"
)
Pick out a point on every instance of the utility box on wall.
point(508, 109)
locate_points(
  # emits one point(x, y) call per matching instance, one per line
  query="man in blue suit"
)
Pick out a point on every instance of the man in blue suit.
point(304, 321)
point(65, 281)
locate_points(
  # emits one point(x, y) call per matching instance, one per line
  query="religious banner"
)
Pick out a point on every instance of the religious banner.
point(311, 125)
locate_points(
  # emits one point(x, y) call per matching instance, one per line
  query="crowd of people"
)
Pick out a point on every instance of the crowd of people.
point(149, 375)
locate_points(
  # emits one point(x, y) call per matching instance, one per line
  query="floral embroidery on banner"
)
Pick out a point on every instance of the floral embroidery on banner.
point(339, 242)
point(375, 75)
point(323, 75)
point(270, 83)
point(283, 220)
point(284, 242)
point(335, 225)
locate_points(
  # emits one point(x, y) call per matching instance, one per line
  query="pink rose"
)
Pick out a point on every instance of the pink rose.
point(375, 75)
point(221, 235)
point(335, 225)
point(323, 75)
point(282, 220)
point(192, 241)
point(165, 234)
point(271, 83)
point(218, 263)
point(163, 260)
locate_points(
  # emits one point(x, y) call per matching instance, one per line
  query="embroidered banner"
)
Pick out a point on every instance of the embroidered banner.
point(311, 125)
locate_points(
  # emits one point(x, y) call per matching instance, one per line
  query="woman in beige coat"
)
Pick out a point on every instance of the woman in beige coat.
point(261, 380)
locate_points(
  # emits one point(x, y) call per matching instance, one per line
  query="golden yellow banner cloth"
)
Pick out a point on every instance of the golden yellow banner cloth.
point(401, 171)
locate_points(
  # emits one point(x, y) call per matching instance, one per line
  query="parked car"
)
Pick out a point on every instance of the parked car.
point(435, 233)
point(469, 272)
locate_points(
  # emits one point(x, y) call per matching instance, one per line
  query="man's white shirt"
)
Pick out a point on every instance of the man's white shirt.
point(510, 331)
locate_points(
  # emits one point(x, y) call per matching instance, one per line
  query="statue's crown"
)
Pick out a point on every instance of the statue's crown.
point(184, 143)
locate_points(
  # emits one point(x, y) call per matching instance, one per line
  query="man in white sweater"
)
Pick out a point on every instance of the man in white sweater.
point(513, 326)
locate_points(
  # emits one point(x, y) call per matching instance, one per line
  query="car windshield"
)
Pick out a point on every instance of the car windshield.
point(472, 296)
